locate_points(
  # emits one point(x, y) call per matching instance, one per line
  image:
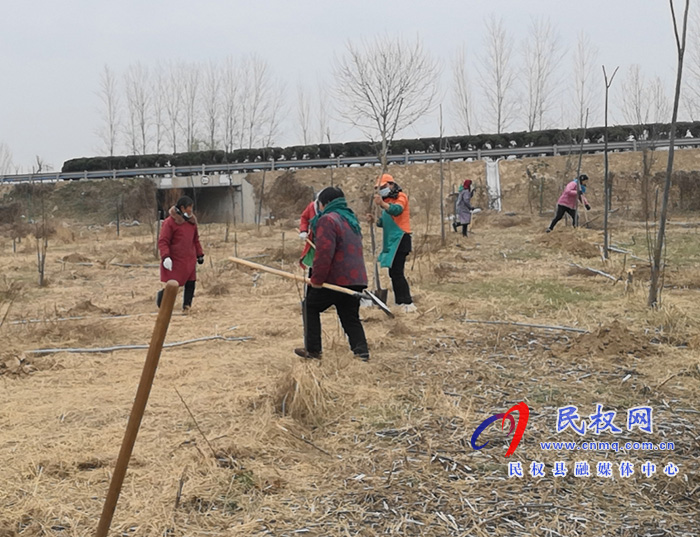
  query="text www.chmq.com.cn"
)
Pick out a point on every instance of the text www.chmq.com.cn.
point(607, 446)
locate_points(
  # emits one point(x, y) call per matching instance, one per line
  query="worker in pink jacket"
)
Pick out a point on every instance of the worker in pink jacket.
point(568, 201)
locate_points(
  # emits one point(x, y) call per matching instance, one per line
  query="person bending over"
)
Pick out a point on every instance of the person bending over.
point(568, 201)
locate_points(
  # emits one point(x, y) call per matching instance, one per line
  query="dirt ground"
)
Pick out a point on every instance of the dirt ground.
point(240, 437)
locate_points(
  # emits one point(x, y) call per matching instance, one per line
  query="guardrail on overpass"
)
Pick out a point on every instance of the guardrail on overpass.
point(339, 162)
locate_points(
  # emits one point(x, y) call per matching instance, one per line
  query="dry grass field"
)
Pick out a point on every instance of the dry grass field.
point(272, 445)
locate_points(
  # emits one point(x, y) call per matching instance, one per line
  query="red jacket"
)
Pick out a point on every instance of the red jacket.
point(338, 258)
point(306, 217)
point(304, 226)
point(179, 240)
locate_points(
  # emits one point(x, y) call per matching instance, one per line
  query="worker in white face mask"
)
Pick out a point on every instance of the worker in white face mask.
point(395, 222)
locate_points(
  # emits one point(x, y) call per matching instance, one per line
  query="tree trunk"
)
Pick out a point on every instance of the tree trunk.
point(606, 183)
point(382, 155)
point(260, 202)
point(656, 264)
point(442, 187)
point(442, 200)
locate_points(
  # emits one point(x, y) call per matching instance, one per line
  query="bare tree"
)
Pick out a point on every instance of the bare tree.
point(211, 97)
point(323, 119)
point(384, 86)
point(262, 101)
point(110, 110)
point(173, 100)
point(267, 140)
point(158, 100)
point(634, 97)
point(585, 60)
point(497, 75)
point(659, 104)
point(6, 165)
point(442, 186)
point(41, 218)
point(303, 113)
point(691, 94)
point(231, 103)
point(230, 107)
point(272, 118)
point(607, 185)
point(462, 93)
point(138, 101)
point(190, 73)
point(658, 247)
point(541, 55)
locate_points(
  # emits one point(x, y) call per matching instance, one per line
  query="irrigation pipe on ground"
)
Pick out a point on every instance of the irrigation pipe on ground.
point(136, 346)
point(527, 325)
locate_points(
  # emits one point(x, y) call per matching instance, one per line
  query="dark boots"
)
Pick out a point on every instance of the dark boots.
point(189, 295)
point(187, 299)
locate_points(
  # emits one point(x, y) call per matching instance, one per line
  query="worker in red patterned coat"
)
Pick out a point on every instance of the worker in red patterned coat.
point(180, 250)
point(338, 260)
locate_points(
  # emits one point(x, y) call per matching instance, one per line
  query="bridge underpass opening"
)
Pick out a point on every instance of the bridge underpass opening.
point(216, 204)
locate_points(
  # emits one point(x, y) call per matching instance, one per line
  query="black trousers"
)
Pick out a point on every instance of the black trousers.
point(402, 292)
point(464, 229)
point(187, 298)
point(348, 309)
point(561, 211)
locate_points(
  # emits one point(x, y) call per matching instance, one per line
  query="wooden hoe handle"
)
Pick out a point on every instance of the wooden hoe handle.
point(298, 278)
point(291, 276)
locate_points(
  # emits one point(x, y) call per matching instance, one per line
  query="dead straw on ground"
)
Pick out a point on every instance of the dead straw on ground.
point(341, 447)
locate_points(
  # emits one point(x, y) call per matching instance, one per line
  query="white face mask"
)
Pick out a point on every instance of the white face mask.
point(384, 192)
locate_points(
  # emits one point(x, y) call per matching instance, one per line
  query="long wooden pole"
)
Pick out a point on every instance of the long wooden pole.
point(142, 393)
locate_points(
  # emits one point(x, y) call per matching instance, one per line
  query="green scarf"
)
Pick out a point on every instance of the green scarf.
point(340, 206)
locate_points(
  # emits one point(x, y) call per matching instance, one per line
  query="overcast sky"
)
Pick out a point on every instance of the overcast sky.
point(53, 51)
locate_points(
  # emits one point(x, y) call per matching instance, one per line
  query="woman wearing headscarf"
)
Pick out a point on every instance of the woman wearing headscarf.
point(337, 260)
point(464, 207)
point(395, 222)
